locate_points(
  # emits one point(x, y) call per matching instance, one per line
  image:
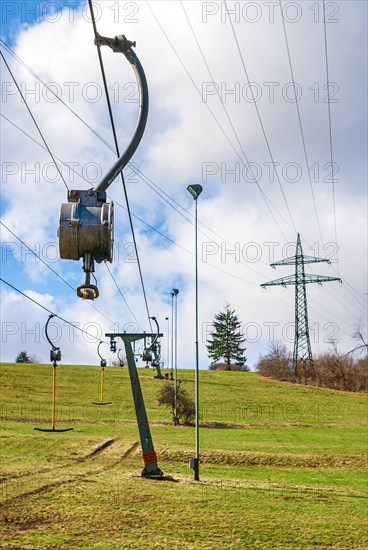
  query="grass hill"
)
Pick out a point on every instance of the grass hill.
point(281, 465)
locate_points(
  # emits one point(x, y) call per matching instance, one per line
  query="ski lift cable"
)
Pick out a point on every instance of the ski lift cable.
point(139, 173)
point(134, 215)
point(122, 295)
point(49, 267)
point(150, 226)
point(51, 312)
point(118, 154)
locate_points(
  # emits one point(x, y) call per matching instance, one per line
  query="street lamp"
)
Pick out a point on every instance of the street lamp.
point(167, 362)
point(195, 190)
point(174, 356)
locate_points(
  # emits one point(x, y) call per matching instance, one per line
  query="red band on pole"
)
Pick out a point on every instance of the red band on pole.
point(150, 457)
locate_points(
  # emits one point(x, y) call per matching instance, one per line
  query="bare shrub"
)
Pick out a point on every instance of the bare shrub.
point(185, 408)
point(277, 363)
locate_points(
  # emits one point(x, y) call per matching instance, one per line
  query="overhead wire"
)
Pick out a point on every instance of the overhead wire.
point(152, 185)
point(137, 171)
point(351, 287)
point(260, 121)
point(246, 163)
point(52, 91)
point(33, 118)
point(142, 221)
point(300, 122)
point(134, 215)
point(121, 294)
point(51, 269)
point(49, 310)
point(329, 118)
point(225, 110)
point(118, 154)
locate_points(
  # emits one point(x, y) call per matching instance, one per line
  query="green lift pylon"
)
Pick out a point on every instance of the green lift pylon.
point(151, 469)
point(302, 356)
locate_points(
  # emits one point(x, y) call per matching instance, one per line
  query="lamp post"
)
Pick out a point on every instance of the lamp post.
point(167, 364)
point(195, 190)
point(174, 355)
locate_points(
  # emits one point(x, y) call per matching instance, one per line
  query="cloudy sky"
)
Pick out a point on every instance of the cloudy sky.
point(223, 114)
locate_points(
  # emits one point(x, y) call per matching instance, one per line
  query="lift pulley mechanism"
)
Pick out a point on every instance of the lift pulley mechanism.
point(103, 365)
point(55, 355)
point(86, 223)
point(112, 344)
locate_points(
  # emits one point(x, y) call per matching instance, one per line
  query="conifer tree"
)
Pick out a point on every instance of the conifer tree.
point(22, 357)
point(226, 339)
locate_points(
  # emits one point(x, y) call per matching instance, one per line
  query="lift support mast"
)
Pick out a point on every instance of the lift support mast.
point(151, 468)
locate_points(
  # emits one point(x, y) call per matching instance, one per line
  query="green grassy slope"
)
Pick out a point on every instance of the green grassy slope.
point(282, 465)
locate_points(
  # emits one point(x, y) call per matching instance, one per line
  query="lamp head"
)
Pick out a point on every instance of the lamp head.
point(175, 292)
point(195, 190)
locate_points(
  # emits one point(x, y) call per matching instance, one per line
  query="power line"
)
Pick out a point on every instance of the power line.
point(356, 295)
point(228, 118)
point(118, 154)
point(300, 122)
point(146, 179)
point(264, 196)
point(188, 251)
point(105, 142)
point(260, 121)
point(140, 219)
point(33, 118)
point(329, 118)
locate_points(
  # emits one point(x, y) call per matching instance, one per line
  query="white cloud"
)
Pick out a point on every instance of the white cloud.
point(181, 142)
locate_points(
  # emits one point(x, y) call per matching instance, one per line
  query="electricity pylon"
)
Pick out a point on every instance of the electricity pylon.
point(302, 356)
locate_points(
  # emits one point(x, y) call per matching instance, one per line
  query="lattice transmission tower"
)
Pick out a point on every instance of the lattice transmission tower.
point(302, 356)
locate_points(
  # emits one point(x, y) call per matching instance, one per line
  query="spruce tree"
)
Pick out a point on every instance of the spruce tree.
point(226, 339)
point(22, 357)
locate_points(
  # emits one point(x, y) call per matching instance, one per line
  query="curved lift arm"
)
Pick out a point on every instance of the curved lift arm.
point(55, 353)
point(122, 45)
point(86, 227)
point(103, 361)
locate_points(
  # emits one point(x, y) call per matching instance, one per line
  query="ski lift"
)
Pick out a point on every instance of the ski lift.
point(103, 365)
point(112, 345)
point(55, 355)
point(86, 223)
